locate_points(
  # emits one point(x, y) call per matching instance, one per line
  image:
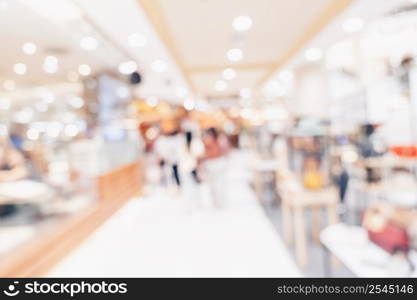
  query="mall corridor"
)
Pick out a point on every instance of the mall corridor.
point(208, 138)
point(158, 236)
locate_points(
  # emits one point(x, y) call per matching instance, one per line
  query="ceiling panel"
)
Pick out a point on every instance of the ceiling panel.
point(199, 32)
point(22, 24)
point(203, 32)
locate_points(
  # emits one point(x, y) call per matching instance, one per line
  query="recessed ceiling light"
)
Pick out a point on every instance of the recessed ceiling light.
point(189, 104)
point(50, 64)
point(159, 66)
point(313, 54)
point(89, 43)
point(128, 67)
point(229, 74)
point(9, 85)
point(242, 23)
point(352, 25)
point(20, 68)
point(245, 93)
point(220, 85)
point(29, 48)
point(137, 40)
point(84, 69)
point(32, 134)
point(235, 54)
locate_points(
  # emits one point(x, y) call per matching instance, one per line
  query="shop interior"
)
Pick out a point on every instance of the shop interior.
point(183, 138)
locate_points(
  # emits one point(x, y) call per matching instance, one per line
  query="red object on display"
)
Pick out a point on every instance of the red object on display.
point(405, 151)
point(391, 238)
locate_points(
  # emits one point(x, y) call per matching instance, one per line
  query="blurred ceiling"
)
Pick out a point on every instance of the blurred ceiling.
point(58, 27)
point(58, 37)
point(198, 34)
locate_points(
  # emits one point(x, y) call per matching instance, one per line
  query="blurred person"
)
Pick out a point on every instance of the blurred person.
point(12, 164)
point(188, 162)
point(281, 153)
point(233, 140)
point(16, 136)
point(238, 173)
point(12, 168)
point(341, 179)
point(167, 147)
point(370, 146)
point(189, 126)
point(192, 151)
point(191, 129)
point(402, 72)
point(214, 164)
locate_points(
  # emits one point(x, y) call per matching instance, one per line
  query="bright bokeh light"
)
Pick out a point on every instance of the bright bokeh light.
point(242, 23)
point(50, 64)
point(127, 67)
point(229, 74)
point(20, 68)
point(235, 54)
point(84, 69)
point(189, 104)
point(313, 54)
point(29, 48)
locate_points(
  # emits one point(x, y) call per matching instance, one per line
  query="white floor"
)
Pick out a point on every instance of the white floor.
point(158, 236)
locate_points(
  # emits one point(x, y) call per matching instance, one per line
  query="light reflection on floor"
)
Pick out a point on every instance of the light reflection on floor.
point(158, 235)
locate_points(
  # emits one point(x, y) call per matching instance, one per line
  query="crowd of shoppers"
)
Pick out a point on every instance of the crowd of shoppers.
point(189, 155)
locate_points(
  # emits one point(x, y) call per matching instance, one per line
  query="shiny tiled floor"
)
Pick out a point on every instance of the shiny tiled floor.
point(158, 235)
point(151, 237)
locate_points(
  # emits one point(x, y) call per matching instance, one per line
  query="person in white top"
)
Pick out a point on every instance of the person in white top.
point(168, 147)
point(192, 149)
point(214, 164)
